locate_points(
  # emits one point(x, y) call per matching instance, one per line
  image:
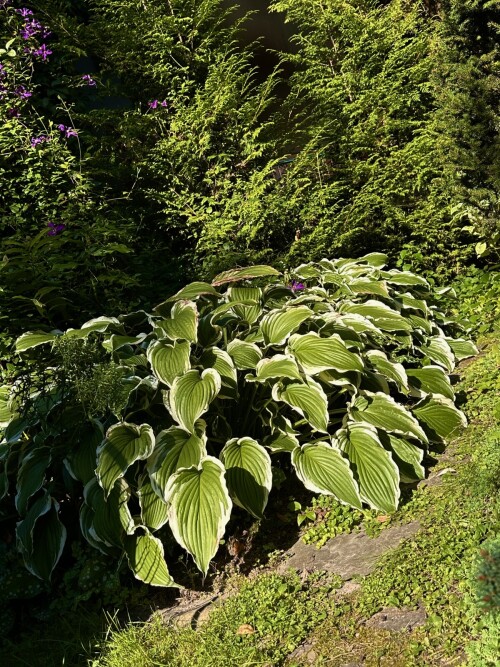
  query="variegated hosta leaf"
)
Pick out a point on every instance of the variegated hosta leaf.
point(323, 469)
point(41, 537)
point(146, 559)
point(192, 291)
point(191, 395)
point(376, 472)
point(412, 303)
point(99, 324)
point(383, 412)
point(124, 444)
point(31, 476)
point(281, 442)
point(154, 510)
point(309, 400)
point(407, 456)
point(368, 286)
point(248, 474)
point(391, 369)
point(278, 325)
point(116, 342)
point(307, 271)
point(169, 360)
point(279, 366)
point(233, 275)
point(440, 416)
point(461, 348)
point(317, 354)
point(183, 322)
point(199, 509)
point(382, 316)
point(175, 449)
point(83, 443)
point(396, 277)
point(438, 350)
point(252, 296)
point(111, 517)
point(376, 259)
point(87, 515)
point(223, 364)
point(245, 355)
point(430, 380)
point(8, 406)
point(33, 339)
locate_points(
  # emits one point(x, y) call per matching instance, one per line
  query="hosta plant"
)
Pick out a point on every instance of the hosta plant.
point(343, 367)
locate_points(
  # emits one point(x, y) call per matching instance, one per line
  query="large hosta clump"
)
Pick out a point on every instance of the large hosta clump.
point(342, 366)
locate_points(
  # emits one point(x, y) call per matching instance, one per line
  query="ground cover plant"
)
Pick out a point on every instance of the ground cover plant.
point(156, 422)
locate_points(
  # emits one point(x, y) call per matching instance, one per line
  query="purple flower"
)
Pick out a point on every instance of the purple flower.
point(296, 286)
point(24, 12)
point(13, 112)
point(86, 78)
point(39, 140)
point(21, 92)
point(42, 51)
point(155, 103)
point(31, 28)
point(67, 131)
point(54, 229)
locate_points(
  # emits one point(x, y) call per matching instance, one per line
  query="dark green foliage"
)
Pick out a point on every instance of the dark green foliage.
point(487, 576)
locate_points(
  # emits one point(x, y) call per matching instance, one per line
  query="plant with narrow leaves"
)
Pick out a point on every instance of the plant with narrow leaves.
point(344, 369)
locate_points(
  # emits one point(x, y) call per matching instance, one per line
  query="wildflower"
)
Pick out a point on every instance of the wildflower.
point(155, 103)
point(55, 229)
point(86, 78)
point(39, 140)
point(24, 12)
point(67, 131)
point(296, 286)
point(21, 92)
point(13, 112)
point(31, 28)
point(42, 51)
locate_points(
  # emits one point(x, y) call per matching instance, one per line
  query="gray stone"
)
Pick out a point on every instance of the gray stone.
point(305, 654)
point(347, 555)
point(396, 620)
point(192, 614)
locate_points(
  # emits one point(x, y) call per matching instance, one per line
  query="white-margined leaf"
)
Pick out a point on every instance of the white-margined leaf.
point(97, 324)
point(154, 510)
point(146, 559)
point(87, 515)
point(440, 416)
point(278, 325)
point(462, 348)
point(223, 364)
point(191, 395)
point(41, 537)
point(112, 518)
point(33, 339)
point(279, 366)
point(252, 296)
point(182, 323)
point(369, 286)
point(323, 469)
point(192, 291)
point(31, 476)
point(124, 444)
point(245, 355)
point(438, 350)
point(379, 313)
point(84, 442)
point(375, 470)
point(407, 456)
point(383, 412)
point(175, 449)
point(309, 400)
point(233, 275)
point(430, 380)
point(391, 369)
point(281, 442)
point(317, 354)
point(199, 509)
point(404, 278)
point(8, 405)
point(116, 341)
point(248, 474)
point(169, 360)
point(307, 271)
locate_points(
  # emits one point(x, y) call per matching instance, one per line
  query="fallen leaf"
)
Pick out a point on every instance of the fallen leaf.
point(245, 629)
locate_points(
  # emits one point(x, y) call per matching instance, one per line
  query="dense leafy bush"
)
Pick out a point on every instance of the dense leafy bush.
point(160, 422)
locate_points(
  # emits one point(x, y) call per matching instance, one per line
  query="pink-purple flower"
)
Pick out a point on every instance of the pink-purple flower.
point(43, 51)
point(296, 286)
point(86, 78)
point(154, 104)
point(24, 12)
point(21, 92)
point(55, 229)
point(67, 131)
point(39, 140)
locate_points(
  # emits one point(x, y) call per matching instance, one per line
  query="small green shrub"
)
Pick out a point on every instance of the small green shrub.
point(484, 651)
point(487, 576)
point(158, 423)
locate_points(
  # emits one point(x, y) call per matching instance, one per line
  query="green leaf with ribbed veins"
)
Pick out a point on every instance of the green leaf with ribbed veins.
point(281, 442)
point(169, 360)
point(383, 412)
point(192, 291)
point(41, 537)
point(245, 355)
point(191, 395)
point(430, 380)
point(146, 559)
point(81, 460)
point(248, 474)
point(323, 469)
point(278, 325)
point(233, 275)
point(124, 444)
point(115, 341)
point(442, 419)
point(368, 286)
point(154, 510)
point(358, 323)
point(279, 366)
point(411, 303)
point(404, 278)
point(87, 515)
point(419, 322)
point(8, 405)
point(308, 400)
point(376, 259)
point(382, 316)
point(33, 339)
point(438, 350)
point(375, 470)
point(99, 324)
point(223, 364)
point(407, 456)
point(183, 322)
point(199, 509)
point(31, 476)
point(249, 295)
point(112, 518)
point(390, 369)
point(175, 449)
point(462, 348)
point(317, 354)
point(307, 271)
